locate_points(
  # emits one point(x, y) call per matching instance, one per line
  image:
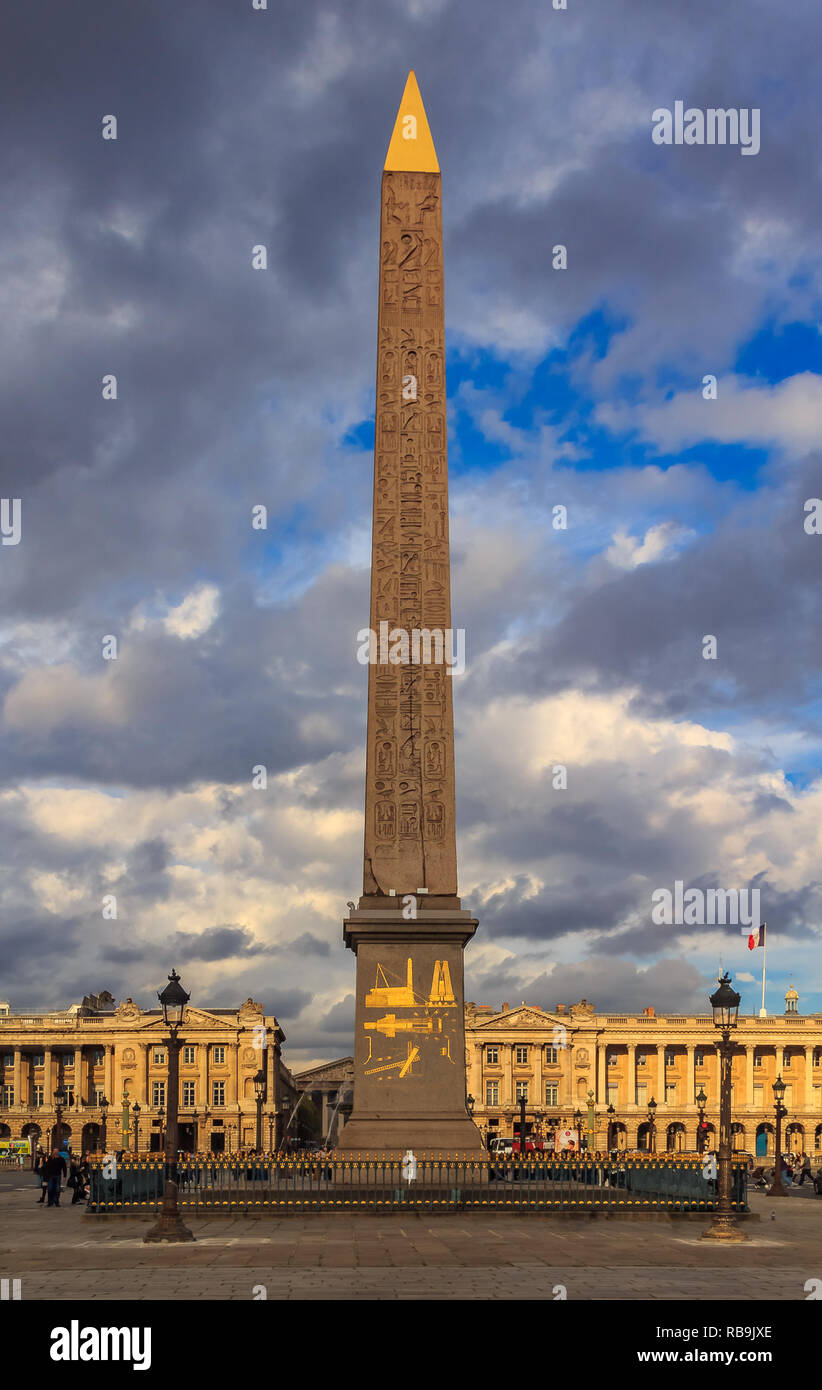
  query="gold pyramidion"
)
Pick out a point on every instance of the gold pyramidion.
point(412, 148)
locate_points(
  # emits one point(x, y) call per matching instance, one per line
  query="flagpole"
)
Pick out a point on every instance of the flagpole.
point(763, 1011)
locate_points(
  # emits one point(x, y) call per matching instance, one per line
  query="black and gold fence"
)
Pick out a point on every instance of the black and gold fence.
point(377, 1183)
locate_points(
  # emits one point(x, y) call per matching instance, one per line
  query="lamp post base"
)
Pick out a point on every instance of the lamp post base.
point(725, 1228)
point(167, 1227)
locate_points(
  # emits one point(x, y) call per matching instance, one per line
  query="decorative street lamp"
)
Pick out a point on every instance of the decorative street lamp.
point(725, 1005)
point(776, 1188)
point(578, 1128)
point(169, 1225)
point(272, 1120)
point(161, 1114)
point(103, 1119)
point(702, 1101)
point(60, 1099)
point(591, 1123)
point(260, 1094)
point(135, 1110)
point(125, 1130)
point(652, 1123)
point(609, 1144)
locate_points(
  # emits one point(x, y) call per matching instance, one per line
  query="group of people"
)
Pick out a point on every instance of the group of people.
point(50, 1170)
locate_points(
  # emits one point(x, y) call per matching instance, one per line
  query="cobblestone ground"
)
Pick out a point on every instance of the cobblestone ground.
point(62, 1253)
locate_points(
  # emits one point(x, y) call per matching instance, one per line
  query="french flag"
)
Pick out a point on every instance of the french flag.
point(755, 937)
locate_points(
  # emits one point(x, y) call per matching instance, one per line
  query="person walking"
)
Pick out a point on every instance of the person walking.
point(54, 1170)
point(39, 1174)
point(806, 1170)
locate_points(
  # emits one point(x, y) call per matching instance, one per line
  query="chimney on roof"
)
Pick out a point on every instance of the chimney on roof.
point(650, 1012)
point(505, 1007)
point(560, 1008)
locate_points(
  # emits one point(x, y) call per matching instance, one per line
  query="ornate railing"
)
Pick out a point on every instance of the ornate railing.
point(268, 1183)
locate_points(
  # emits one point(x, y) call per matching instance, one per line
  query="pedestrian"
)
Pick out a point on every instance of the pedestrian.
point(54, 1169)
point(40, 1175)
point(806, 1170)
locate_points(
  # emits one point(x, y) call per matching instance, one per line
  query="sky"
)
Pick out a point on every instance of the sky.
point(580, 388)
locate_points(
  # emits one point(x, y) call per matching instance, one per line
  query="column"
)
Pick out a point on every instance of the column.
point(602, 1071)
point(277, 1092)
point(539, 1090)
point(78, 1075)
point(205, 1098)
point(508, 1074)
point(18, 1077)
point(631, 1074)
point(660, 1074)
point(808, 1086)
point(233, 1066)
point(48, 1084)
point(690, 1074)
point(749, 1074)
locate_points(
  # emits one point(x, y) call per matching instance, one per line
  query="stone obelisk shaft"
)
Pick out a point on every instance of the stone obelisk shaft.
point(409, 799)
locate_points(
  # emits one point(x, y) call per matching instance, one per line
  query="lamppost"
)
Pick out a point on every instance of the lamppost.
point(578, 1128)
point(259, 1092)
point(776, 1188)
point(522, 1104)
point(103, 1120)
point(272, 1120)
point(59, 1101)
point(125, 1130)
point(591, 1123)
point(702, 1101)
point(609, 1144)
point(652, 1123)
point(135, 1110)
point(169, 1225)
point(725, 1005)
point(161, 1114)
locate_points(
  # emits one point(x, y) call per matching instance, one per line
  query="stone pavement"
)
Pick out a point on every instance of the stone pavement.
point(64, 1254)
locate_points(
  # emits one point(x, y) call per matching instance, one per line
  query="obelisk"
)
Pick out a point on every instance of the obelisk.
point(409, 930)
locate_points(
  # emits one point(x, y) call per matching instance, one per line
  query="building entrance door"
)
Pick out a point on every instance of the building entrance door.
point(186, 1137)
point(217, 1141)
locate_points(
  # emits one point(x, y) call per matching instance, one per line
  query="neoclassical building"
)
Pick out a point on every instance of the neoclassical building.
point(331, 1088)
point(576, 1062)
point(97, 1051)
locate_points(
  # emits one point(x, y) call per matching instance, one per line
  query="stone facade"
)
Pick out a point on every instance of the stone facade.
point(95, 1050)
point(331, 1088)
point(572, 1056)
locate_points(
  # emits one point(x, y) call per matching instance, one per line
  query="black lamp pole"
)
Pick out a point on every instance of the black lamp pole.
point(259, 1092)
point(272, 1120)
point(169, 1225)
point(652, 1123)
point(725, 1005)
point(522, 1104)
point(610, 1112)
point(702, 1101)
point(135, 1110)
point(59, 1102)
point(103, 1119)
point(776, 1188)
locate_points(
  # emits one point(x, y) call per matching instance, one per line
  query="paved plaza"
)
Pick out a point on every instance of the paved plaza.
point(63, 1254)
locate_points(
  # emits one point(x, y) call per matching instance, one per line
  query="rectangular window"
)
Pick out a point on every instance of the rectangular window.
point(757, 1059)
point(37, 1094)
point(218, 1054)
point(8, 1059)
point(788, 1101)
point(492, 1093)
point(759, 1096)
point(8, 1095)
point(551, 1093)
point(522, 1090)
point(641, 1093)
point(38, 1059)
point(158, 1093)
point(68, 1059)
point(69, 1098)
point(492, 1055)
point(159, 1056)
point(97, 1056)
point(613, 1095)
point(670, 1057)
point(188, 1056)
point(99, 1095)
point(218, 1093)
point(670, 1095)
point(551, 1056)
point(699, 1059)
point(613, 1059)
point(521, 1056)
point(188, 1093)
point(640, 1059)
